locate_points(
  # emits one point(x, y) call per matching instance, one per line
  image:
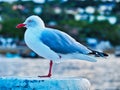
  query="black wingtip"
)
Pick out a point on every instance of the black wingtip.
point(99, 54)
point(105, 54)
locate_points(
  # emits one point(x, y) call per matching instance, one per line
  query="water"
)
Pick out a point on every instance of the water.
point(103, 75)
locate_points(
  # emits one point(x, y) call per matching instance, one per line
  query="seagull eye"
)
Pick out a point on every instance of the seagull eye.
point(29, 21)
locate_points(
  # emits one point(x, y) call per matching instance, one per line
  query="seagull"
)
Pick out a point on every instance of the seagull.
point(54, 44)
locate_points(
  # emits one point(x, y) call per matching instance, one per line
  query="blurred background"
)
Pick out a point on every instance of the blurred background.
point(94, 23)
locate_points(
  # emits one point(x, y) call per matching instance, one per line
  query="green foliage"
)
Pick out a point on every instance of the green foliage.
point(9, 28)
point(101, 30)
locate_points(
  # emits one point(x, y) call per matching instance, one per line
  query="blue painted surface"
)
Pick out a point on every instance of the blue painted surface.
point(15, 83)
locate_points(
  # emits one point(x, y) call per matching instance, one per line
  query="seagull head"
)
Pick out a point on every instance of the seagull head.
point(32, 22)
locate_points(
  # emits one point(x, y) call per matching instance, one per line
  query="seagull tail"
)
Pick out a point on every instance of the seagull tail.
point(98, 54)
point(84, 57)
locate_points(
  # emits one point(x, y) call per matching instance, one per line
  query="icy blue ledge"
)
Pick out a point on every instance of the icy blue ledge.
point(20, 83)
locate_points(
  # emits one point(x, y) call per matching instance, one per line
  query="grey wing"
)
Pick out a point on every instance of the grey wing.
point(61, 42)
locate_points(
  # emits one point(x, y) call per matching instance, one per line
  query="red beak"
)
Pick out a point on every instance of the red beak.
point(20, 25)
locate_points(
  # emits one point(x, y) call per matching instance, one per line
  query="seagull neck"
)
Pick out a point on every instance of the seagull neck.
point(33, 32)
point(36, 28)
point(41, 25)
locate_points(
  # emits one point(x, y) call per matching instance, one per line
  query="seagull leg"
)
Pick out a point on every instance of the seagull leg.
point(50, 70)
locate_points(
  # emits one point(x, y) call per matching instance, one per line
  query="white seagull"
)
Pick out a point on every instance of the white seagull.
point(54, 44)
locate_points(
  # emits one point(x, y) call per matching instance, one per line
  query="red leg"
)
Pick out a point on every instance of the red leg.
point(50, 70)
